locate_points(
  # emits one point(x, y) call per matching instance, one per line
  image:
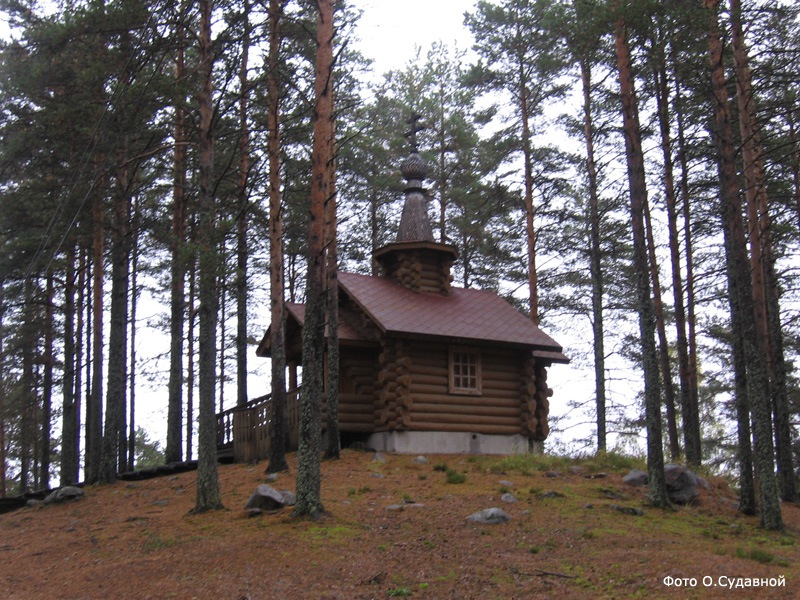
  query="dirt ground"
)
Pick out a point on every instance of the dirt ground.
point(565, 539)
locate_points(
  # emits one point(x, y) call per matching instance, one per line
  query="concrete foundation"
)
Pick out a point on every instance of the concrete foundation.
point(435, 442)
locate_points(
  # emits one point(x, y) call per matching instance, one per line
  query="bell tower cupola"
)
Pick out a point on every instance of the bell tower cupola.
point(415, 260)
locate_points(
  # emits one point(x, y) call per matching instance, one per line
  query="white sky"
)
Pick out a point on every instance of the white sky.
point(390, 30)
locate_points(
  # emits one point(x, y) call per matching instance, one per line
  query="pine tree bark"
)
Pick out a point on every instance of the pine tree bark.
point(691, 331)
point(689, 411)
point(3, 460)
point(333, 448)
point(116, 387)
point(47, 385)
point(595, 260)
point(243, 214)
point(741, 293)
point(644, 302)
point(177, 301)
point(208, 493)
point(663, 344)
point(530, 232)
point(278, 423)
point(309, 502)
point(69, 412)
point(94, 402)
point(765, 296)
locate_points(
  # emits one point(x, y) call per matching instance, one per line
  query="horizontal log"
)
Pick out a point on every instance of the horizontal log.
point(463, 427)
point(514, 421)
point(447, 400)
point(357, 427)
point(461, 409)
point(488, 395)
point(431, 368)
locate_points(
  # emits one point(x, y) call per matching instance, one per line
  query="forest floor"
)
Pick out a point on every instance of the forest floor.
point(565, 539)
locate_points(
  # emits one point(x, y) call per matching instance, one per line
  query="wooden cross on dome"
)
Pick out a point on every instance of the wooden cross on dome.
point(416, 126)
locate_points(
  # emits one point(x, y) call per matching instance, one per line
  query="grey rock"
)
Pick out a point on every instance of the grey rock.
point(289, 499)
point(421, 460)
point(681, 484)
point(508, 497)
point(551, 494)
point(489, 516)
point(64, 494)
point(272, 477)
point(627, 510)
point(636, 478)
point(267, 497)
point(377, 476)
point(506, 483)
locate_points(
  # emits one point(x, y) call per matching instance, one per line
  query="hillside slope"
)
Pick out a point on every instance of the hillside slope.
point(565, 539)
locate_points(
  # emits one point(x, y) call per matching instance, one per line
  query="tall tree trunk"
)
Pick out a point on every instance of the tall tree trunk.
point(94, 405)
point(190, 378)
point(131, 453)
point(595, 255)
point(644, 301)
point(222, 304)
point(689, 411)
point(663, 344)
point(241, 220)
point(332, 281)
point(208, 493)
point(527, 154)
point(742, 293)
point(69, 412)
point(765, 295)
point(278, 423)
point(116, 389)
point(177, 301)
point(47, 385)
point(3, 383)
point(27, 426)
point(309, 501)
point(691, 332)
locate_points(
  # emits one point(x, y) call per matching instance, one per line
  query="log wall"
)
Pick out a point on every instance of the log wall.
point(421, 270)
point(499, 409)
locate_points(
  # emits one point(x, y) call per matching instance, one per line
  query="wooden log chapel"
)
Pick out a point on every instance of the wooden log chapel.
point(424, 366)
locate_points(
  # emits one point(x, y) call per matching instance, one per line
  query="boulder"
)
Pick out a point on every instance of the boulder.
point(267, 497)
point(64, 494)
point(681, 484)
point(489, 516)
point(636, 478)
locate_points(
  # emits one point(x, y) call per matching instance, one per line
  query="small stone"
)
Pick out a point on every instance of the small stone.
point(379, 458)
point(421, 460)
point(272, 477)
point(588, 505)
point(627, 510)
point(489, 516)
point(377, 475)
point(506, 483)
point(551, 494)
point(161, 503)
point(508, 497)
point(552, 474)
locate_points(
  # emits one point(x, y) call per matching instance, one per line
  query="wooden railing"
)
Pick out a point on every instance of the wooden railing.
point(243, 431)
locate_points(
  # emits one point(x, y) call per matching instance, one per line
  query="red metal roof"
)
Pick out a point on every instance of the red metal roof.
point(466, 314)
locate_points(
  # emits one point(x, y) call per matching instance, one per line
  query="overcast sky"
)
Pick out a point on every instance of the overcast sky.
point(390, 30)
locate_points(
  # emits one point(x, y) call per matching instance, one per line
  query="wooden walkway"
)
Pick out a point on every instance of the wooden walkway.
point(243, 431)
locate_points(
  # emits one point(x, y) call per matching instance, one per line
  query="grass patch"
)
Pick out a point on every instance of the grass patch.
point(756, 554)
point(454, 476)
